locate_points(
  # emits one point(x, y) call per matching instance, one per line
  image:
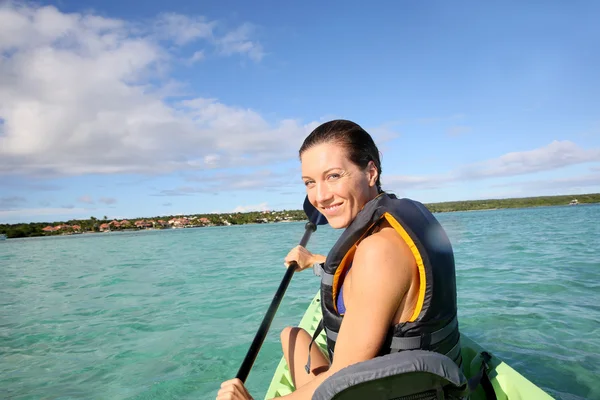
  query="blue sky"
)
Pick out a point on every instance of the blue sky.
point(138, 109)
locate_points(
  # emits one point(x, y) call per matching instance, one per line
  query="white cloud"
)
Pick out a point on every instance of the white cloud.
point(282, 180)
point(569, 184)
point(183, 29)
point(413, 181)
point(557, 154)
point(383, 134)
point(196, 57)
point(30, 212)
point(263, 180)
point(107, 200)
point(86, 199)
point(76, 98)
point(238, 41)
point(248, 208)
point(15, 183)
point(9, 202)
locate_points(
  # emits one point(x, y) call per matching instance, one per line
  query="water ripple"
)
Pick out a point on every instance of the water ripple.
point(170, 314)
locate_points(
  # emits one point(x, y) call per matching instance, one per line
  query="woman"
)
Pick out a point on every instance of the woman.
point(387, 285)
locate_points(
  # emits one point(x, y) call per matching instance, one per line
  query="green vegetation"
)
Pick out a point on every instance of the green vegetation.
point(77, 226)
point(91, 225)
point(523, 202)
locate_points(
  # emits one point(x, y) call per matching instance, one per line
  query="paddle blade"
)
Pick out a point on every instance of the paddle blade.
point(313, 214)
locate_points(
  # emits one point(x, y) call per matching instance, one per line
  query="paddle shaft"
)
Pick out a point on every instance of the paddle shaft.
point(268, 318)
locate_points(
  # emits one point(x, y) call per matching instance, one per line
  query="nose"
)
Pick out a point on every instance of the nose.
point(323, 192)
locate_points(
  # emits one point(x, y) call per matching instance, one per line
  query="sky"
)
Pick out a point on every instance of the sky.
point(138, 109)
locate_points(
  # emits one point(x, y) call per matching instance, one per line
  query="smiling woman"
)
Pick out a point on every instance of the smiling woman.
point(340, 167)
point(388, 285)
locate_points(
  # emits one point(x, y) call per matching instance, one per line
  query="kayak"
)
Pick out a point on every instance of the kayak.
point(507, 383)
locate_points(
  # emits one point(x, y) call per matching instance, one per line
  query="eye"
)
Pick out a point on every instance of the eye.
point(308, 183)
point(333, 176)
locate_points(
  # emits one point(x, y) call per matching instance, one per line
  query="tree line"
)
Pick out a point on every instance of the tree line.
point(93, 224)
point(523, 202)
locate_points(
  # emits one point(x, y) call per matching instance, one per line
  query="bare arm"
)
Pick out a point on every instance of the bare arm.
point(381, 277)
point(303, 257)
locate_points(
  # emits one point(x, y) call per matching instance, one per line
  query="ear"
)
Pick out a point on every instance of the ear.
point(372, 173)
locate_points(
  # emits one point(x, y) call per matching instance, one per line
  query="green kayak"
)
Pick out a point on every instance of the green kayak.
point(507, 383)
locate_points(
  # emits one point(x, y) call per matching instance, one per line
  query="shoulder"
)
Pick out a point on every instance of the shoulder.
point(384, 255)
point(384, 245)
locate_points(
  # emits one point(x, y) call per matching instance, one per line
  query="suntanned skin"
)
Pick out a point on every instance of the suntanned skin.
point(380, 290)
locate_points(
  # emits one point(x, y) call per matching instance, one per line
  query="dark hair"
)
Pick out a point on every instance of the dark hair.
point(358, 143)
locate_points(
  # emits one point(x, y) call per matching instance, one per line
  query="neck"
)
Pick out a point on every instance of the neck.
point(372, 196)
point(374, 193)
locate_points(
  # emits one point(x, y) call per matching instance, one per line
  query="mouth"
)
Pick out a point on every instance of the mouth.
point(332, 208)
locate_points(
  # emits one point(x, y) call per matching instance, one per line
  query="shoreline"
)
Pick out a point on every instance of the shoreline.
point(94, 225)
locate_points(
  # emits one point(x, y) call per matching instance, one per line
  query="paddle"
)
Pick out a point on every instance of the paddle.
point(314, 218)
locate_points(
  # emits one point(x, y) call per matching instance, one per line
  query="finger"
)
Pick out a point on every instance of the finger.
point(229, 382)
point(293, 252)
point(227, 389)
point(237, 382)
point(233, 390)
point(227, 394)
point(297, 250)
point(287, 265)
point(237, 385)
point(289, 260)
point(224, 395)
point(302, 250)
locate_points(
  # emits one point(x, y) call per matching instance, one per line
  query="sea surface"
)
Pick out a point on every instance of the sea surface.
point(170, 314)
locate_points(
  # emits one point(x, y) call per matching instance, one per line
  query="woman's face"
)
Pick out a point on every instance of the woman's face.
point(335, 186)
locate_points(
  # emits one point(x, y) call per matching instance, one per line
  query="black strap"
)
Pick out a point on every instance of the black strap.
point(424, 340)
point(314, 337)
point(481, 377)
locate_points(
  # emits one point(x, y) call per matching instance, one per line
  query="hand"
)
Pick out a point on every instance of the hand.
point(233, 389)
point(303, 257)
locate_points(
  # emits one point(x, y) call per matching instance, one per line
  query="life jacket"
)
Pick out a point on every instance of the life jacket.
point(433, 325)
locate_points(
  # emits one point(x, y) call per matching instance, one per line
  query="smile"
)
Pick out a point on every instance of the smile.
point(332, 208)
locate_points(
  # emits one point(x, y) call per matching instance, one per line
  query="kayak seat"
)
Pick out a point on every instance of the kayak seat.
point(405, 375)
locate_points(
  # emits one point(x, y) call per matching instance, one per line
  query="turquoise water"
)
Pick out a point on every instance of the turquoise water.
point(170, 314)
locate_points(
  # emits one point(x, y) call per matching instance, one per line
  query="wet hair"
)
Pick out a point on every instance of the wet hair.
point(358, 143)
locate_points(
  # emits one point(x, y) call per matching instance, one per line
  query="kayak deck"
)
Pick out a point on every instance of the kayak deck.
point(508, 383)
